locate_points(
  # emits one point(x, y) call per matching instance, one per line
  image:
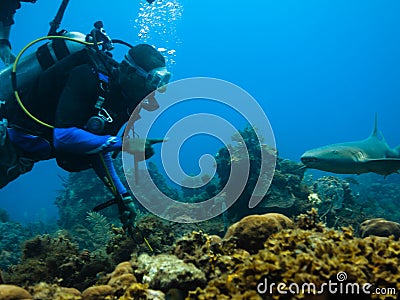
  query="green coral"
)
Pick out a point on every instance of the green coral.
point(100, 227)
point(53, 259)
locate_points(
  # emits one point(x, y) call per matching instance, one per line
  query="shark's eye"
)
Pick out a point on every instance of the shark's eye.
point(360, 155)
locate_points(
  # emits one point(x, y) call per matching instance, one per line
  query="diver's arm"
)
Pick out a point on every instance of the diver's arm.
point(79, 141)
point(105, 170)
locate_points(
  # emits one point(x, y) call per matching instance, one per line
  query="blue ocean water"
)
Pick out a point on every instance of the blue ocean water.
point(319, 69)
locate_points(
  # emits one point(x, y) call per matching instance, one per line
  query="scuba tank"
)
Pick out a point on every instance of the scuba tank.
point(32, 65)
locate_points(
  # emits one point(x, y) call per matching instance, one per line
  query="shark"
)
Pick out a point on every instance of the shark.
point(372, 154)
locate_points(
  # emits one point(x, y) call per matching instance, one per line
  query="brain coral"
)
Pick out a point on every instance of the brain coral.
point(252, 231)
point(12, 292)
point(380, 227)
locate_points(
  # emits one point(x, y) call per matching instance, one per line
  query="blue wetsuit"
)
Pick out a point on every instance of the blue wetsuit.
point(68, 101)
point(78, 141)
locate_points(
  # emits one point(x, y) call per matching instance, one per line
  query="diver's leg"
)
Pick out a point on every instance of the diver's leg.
point(11, 164)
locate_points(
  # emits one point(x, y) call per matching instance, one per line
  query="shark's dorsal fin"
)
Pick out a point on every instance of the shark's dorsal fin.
point(382, 138)
point(375, 131)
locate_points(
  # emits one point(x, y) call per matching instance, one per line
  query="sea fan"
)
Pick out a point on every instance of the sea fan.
point(100, 227)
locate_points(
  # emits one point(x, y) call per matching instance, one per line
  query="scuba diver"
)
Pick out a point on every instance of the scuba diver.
point(7, 11)
point(76, 99)
point(87, 97)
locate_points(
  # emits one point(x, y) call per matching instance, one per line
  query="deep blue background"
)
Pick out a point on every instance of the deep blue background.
point(320, 69)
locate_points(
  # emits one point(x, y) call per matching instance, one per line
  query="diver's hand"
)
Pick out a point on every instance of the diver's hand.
point(141, 148)
point(128, 215)
point(149, 151)
point(135, 146)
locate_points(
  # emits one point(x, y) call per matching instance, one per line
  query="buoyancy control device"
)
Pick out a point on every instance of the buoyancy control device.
point(32, 65)
point(18, 78)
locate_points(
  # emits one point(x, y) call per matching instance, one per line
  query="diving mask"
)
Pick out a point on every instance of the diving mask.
point(155, 79)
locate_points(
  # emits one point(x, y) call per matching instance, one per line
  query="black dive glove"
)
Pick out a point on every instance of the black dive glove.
point(127, 211)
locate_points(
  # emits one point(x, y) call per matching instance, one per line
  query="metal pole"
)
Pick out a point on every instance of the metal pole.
point(57, 19)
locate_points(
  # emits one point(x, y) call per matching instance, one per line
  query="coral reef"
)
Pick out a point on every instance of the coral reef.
point(11, 237)
point(160, 234)
point(207, 188)
point(199, 249)
point(45, 291)
point(380, 227)
point(334, 199)
point(56, 259)
point(286, 191)
point(161, 183)
point(290, 193)
point(122, 277)
point(376, 196)
point(297, 256)
point(101, 228)
point(93, 258)
point(141, 291)
point(98, 292)
point(82, 192)
point(333, 191)
point(12, 292)
point(251, 232)
point(202, 266)
point(164, 272)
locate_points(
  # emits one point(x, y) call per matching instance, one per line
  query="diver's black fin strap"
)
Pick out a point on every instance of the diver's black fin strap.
point(105, 204)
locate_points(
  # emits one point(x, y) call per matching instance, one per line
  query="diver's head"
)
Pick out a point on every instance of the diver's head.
point(143, 68)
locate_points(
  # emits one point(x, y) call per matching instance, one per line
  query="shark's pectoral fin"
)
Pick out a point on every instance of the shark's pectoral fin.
point(303, 167)
point(383, 166)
